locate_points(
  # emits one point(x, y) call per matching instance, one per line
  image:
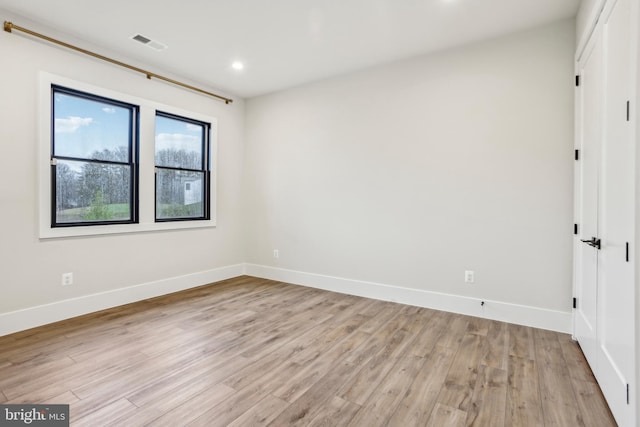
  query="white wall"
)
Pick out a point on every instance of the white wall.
point(411, 173)
point(31, 268)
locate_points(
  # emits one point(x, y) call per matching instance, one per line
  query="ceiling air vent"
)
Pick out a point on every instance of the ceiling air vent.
point(155, 45)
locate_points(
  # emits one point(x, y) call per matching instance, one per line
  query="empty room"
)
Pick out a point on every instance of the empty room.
point(329, 213)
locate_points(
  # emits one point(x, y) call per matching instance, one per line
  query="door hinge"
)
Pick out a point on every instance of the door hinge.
point(575, 229)
point(628, 111)
point(575, 302)
point(627, 394)
point(577, 81)
point(627, 252)
point(577, 154)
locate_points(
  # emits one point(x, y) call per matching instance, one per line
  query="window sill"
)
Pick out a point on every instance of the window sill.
point(100, 230)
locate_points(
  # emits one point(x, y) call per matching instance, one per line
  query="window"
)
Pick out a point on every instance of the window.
point(112, 162)
point(182, 168)
point(93, 148)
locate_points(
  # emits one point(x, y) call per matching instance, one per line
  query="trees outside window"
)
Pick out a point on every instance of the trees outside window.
point(94, 143)
point(182, 168)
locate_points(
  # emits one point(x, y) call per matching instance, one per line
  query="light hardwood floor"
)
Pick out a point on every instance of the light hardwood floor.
point(249, 352)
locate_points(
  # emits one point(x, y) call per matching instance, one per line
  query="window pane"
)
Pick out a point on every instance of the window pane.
point(179, 194)
point(90, 129)
point(178, 143)
point(87, 191)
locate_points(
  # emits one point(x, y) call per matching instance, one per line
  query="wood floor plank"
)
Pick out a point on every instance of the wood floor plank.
point(524, 407)
point(336, 413)
point(578, 367)
point(489, 398)
point(66, 398)
point(559, 404)
point(285, 364)
point(496, 346)
point(252, 372)
point(294, 326)
point(26, 352)
point(463, 373)
point(262, 413)
point(588, 394)
point(229, 409)
point(201, 375)
point(194, 407)
point(388, 394)
point(397, 337)
point(446, 416)
point(311, 403)
point(417, 318)
point(592, 405)
point(420, 399)
point(132, 377)
point(13, 376)
point(297, 384)
point(249, 351)
point(9, 341)
point(478, 326)
point(130, 381)
point(426, 340)
point(102, 416)
point(521, 342)
point(455, 330)
point(547, 348)
point(138, 375)
point(55, 383)
point(165, 401)
point(387, 312)
point(326, 338)
point(372, 373)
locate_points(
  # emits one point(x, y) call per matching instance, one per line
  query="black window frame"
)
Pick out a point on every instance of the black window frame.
point(133, 148)
point(205, 169)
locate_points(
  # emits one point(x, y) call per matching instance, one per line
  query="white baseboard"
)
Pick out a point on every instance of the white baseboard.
point(559, 321)
point(32, 317)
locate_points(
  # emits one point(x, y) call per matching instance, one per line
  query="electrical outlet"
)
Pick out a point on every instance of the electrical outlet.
point(276, 253)
point(469, 276)
point(67, 279)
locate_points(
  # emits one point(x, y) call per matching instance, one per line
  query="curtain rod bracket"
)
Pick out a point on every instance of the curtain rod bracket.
point(9, 26)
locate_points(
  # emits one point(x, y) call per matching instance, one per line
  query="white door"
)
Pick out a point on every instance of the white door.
point(616, 295)
point(589, 111)
point(605, 312)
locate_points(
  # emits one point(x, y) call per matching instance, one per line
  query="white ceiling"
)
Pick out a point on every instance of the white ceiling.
point(283, 43)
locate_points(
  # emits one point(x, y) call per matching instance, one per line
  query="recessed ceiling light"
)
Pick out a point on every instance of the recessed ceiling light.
point(237, 65)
